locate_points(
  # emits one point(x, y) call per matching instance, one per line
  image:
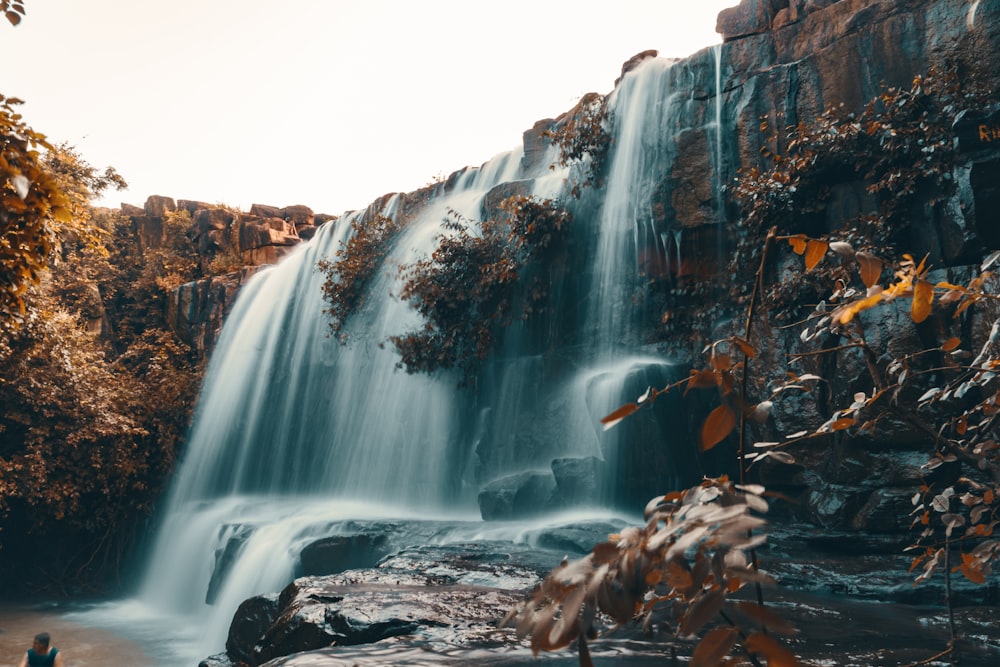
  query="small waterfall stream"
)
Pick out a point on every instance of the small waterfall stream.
point(296, 433)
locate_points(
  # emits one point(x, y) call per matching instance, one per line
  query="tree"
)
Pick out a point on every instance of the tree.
point(33, 206)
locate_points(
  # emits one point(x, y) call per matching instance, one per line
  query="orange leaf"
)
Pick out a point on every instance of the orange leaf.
point(798, 243)
point(923, 296)
point(814, 253)
point(714, 646)
point(702, 379)
point(717, 426)
point(776, 654)
point(618, 415)
point(766, 617)
point(971, 570)
point(870, 268)
point(745, 346)
point(951, 344)
point(841, 424)
point(721, 362)
point(701, 612)
point(678, 577)
point(846, 313)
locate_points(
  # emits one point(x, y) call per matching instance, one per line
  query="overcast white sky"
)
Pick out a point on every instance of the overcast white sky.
point(327, 103)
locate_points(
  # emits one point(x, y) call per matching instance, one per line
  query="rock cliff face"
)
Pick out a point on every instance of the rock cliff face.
point(781, 61)
point(231, 245)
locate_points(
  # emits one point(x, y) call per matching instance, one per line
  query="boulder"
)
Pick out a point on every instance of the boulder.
point(252, 619)
point(158, 206)
point(132, 211)
point(536, 144)
point(519, 495)
point(635, 61)
point(332, 555)
point(578, 480)
point(316, 612)
point(265, 211)
point(298, 215)
point(193, 207)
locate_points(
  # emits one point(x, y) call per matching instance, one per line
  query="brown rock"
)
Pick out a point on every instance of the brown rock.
point(691, 194)
point(193, 207)
point(634, 62)
point(750, 17)
point(132, 211)
point(265, 211)
point(158, 206)
point(536, 144)
point(298, 215)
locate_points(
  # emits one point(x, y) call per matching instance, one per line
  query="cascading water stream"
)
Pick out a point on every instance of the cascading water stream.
point(649, 108)
point(296, 433)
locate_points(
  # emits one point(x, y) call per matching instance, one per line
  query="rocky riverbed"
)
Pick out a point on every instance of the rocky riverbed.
point(852, 601)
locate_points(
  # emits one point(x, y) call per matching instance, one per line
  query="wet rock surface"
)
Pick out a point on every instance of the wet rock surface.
point(851, 598)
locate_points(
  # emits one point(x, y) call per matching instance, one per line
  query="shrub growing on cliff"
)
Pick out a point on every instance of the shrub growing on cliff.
point(899, 149)
point(466, 290)
point(349, 276)
point(583, 138)
point(949, 392)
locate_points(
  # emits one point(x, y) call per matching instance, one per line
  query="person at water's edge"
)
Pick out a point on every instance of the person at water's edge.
point(40, 654)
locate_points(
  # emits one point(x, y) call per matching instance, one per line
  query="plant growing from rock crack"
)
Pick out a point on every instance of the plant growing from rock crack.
point(583, 138)
point(466, 289)
point(357, 260)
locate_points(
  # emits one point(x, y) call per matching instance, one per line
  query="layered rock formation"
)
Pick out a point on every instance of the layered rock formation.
point(231, 245)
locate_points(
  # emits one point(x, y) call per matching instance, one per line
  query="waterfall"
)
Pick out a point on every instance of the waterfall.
point(295, 432)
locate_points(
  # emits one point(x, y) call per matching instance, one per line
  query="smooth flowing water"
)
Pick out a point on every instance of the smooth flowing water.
point(296, 434)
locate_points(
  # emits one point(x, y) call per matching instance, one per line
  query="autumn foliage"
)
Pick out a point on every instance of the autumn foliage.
point(96, 392)
point(583, 138)
point(679, 570)
point(33, 206)
point(467, 290)
point(357, 260)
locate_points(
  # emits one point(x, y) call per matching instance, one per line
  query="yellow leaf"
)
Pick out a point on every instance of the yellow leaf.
point(814, 253)
point(846, 313)
point(717, 426)
point(923, 296)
